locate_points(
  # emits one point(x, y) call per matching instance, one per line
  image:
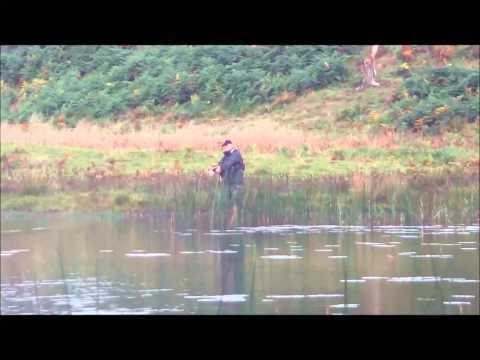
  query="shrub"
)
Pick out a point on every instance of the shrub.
point(103, 81)
point(355, 113)
point(122, 199)
point(431, 98)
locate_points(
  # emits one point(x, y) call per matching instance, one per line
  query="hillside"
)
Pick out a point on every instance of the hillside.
point(65, 84)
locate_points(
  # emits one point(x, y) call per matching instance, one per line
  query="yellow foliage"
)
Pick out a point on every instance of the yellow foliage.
point(374, 115)
point(38, 83)
point(35, 85)
point(136, 92)
point(441, 110)
point(194, 98)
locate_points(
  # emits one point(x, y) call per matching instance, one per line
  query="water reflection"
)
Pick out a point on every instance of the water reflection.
point(270, 259)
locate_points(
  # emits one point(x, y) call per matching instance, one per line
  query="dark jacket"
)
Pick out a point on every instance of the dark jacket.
point(232, 168)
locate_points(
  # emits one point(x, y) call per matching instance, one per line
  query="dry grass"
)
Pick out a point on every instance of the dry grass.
point(265, 134)
point(287, 127)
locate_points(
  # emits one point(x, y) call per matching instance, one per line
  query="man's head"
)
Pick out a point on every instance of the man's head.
point(227, 146)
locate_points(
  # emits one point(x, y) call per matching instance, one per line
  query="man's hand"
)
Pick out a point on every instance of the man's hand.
point(214, 170)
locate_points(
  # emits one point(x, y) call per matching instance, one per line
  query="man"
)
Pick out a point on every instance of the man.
point(231, 170)
point(231, 167)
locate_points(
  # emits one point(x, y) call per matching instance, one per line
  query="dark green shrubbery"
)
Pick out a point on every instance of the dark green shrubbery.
point(433, 98)
point(101, 82)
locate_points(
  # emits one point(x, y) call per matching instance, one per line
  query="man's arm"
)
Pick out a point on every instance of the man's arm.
point(217, 168)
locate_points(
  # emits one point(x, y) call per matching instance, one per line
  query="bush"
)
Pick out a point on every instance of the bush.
point(121, 199)
point(355, 113)
point(449, 154)
point(431, 98)
point(103, 81)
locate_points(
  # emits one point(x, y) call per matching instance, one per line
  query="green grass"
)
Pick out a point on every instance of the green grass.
point(46, 203)
point(128, 161)
point(294, 163)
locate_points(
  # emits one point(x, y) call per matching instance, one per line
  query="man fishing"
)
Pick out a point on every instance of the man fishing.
point(231, 169)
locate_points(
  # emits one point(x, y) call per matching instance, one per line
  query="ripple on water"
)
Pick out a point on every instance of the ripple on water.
point(432, 256)
point(154, 290)
point(218, 298)
point(460, 280)
point(12, 231)
point(223, 233)
point(415, 279)
point(13, 252)
point(222, 251)
point(146, 254)
point(281, 257)
point(301, 296)
point(457, 303)
point(345, 306)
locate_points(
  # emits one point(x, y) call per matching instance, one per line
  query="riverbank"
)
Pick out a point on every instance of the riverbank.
point(56, 177)
point(350, 200)
point(46, 168)
point(79, 185)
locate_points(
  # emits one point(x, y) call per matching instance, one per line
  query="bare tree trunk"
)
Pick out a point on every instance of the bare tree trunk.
point(368, 69)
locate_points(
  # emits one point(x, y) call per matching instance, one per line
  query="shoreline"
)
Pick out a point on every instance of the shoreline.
point(132, 193)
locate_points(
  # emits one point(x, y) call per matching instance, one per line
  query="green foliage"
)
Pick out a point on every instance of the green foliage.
point(101, 82)
point(121, 199)
point(304, 151)
point(355, 113)
point(286, 152)
point(449, 155)
point(432, 98)
point(8, 98)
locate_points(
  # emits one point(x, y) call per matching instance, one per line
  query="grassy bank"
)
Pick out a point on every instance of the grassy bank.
point(302, 162)
point(43, 178)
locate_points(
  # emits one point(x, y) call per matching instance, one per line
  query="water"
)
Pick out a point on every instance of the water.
point(272, 261)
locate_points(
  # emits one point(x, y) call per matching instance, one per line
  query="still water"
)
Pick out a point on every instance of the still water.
point(157, 262)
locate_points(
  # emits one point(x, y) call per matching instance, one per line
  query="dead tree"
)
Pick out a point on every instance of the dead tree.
point(368, 69)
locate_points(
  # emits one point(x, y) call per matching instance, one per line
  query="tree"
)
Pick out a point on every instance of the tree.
point(368, 69)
